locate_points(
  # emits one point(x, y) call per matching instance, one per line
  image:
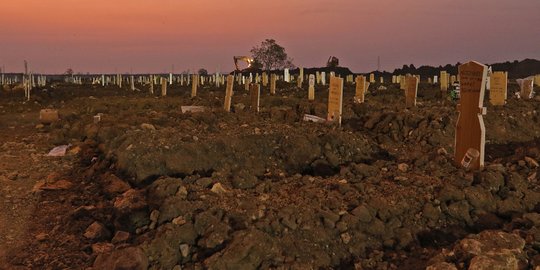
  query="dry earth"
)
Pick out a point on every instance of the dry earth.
point(152, 188)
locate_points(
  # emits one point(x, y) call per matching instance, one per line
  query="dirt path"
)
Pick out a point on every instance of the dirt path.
point(22, 164)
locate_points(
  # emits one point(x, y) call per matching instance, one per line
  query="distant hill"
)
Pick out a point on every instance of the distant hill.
point(516, 69)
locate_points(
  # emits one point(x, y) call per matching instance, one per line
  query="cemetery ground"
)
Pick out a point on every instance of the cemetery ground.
point(150, 187)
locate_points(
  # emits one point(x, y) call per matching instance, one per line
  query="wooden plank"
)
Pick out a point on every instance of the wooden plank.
point(360, 89)
point(229, 93)
point(444, 81)
point(311, 90)
point(411, 91)
point(194, 84)
point(526, 85)
point(273, 79)
point(470, 129)
point(335, 99)
point(163, 87)
point(498, 91)
point(255, 94)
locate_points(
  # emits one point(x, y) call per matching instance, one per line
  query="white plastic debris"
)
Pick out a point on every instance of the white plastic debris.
point(59, 151)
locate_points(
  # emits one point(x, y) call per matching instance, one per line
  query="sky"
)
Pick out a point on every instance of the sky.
point(151, 36)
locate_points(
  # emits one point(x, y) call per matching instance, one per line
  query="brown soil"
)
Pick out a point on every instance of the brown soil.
point(242, 190)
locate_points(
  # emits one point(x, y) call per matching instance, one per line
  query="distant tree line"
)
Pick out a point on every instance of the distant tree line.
point(515, 69)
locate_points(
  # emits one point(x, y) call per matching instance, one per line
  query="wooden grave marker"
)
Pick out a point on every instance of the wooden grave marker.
point(444, 81)
point(526, 85)
point(273, 79)
point(499, 87)
point(453, 79)
point(151, 81)
point(311, 90)
point(163, 87)
point(194, 84)
point(335, 99)
point(371, 78)
point(300, 79)
point(255, 94)
point(470, 129)
point(229, 93)
point(265, 79)
point(360, 93)
point(411, 91)
point(403, 83)
point(323, 78)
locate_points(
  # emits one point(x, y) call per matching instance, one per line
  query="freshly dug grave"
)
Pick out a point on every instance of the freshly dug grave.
point(244, 191)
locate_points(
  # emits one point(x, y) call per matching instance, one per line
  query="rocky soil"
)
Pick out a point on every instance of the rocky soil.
point(150, 187)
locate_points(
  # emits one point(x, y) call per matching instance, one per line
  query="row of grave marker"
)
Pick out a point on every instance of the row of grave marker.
point(470, 130)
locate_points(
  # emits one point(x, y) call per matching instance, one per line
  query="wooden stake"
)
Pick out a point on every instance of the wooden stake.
point(229, 93)
point(255, 93)
point(311, 91)
point(411, 91)
point(194, 84)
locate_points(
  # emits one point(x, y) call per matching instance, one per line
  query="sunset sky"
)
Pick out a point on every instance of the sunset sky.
point(152, 35)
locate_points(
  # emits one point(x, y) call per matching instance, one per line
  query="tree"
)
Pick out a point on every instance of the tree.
point(203, 72)
point(69, 71)
point(271, 55)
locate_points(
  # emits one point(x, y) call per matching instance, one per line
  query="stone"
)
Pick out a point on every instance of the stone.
point(362, 213)
point(132, 258)
point(238, 107)
point(494, 261)
point(442, 266)
point(12, 176)
point(204, 182)
point(48, 116)
point(441, 151)
point(114, 185)
point(120, 237)
point(96, 231)
point(184, 250)
point(532, 162)
point(346, 238)
point(480, 198)
point(403, 167)
point(533, 217)
point(57, 185)
point(41, 237)
point(218, 188)
point(460, 210)
point(431, 212)
point(489, 242)
point(98, 248)
point(130, 200)
point(147, 126)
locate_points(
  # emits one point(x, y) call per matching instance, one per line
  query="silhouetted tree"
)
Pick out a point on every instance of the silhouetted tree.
point(271, 55)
